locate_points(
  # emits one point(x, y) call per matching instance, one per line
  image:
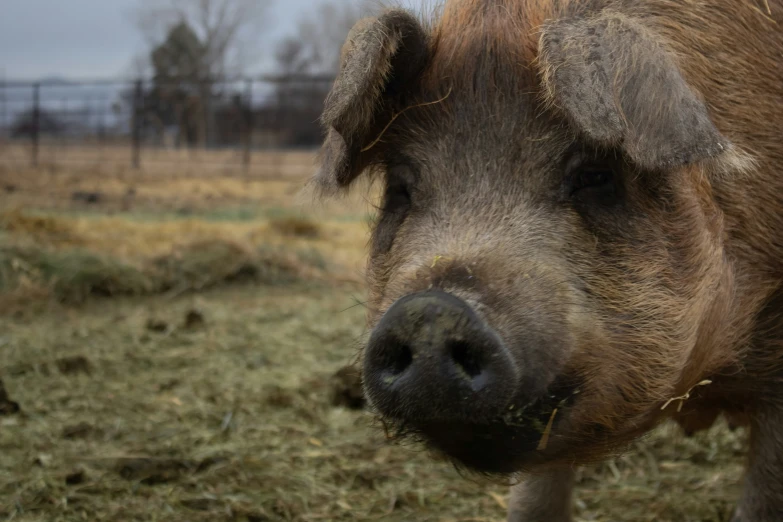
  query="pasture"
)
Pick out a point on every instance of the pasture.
point(171, 336)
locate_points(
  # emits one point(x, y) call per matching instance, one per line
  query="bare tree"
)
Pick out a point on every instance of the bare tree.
point(200, 43)
point(230, 30)
point(320, 35)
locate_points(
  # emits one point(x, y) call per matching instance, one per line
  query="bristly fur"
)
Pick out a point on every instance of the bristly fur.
point(684, 282)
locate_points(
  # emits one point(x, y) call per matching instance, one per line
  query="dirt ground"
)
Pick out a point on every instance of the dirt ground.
point(220, 401)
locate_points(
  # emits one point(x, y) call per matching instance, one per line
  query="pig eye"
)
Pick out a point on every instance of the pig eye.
point(395, 207)
point(592, 177)
point(594, 183)
point(397, 198)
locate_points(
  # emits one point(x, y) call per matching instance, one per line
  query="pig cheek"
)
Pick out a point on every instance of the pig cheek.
point(578, 362)
point(543, 324)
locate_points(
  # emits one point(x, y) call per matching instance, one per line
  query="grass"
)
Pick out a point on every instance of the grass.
point(73, 276)
point(234, 420)
point(73, 252)
point(296, 227)
point(188, 366)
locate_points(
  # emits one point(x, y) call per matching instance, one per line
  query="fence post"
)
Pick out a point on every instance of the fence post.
point(35, 123)
point(4, 114)
point(248, 122)
point(136, 125)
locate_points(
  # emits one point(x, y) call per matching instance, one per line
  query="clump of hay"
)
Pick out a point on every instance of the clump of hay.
point(203, 264)
point(40, 228)
point(73, 275)
point(71, 260)
point(70, 275)
point(78, 274)
point(296, 227)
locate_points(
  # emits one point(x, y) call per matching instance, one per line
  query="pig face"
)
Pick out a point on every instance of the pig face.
point(547, 265)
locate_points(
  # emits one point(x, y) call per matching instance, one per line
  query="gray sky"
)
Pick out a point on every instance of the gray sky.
point(95, 38)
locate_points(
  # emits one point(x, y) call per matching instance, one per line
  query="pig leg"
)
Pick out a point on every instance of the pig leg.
point(762, 496)
point(542, 498)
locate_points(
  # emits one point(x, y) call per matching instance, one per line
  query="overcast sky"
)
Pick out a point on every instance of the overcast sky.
point(95, 38)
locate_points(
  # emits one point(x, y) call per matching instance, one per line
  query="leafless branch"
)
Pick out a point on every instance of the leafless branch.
point(228, 29)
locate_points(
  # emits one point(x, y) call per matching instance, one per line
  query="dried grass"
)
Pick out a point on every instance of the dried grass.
point(72, 255)
point(74, 275)
point(38, 228)
point(187, 398)
point(71, 276)
point(236, 420)
point(296, 226)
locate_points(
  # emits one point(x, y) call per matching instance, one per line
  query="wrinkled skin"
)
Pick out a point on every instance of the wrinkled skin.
point(609, 212)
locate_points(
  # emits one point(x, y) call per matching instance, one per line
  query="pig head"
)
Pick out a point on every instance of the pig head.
point(547, 268)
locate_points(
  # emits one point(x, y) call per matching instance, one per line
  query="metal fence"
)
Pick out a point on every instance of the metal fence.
point(152, 121)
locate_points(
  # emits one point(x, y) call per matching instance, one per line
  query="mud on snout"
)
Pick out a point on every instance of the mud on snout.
point(437, 372)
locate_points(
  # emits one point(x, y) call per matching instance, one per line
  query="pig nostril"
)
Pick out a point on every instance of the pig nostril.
point(465, 357)
point(402, 357)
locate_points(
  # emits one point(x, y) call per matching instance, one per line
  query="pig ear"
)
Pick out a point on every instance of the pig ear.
point(379, 57)
point(621, 87)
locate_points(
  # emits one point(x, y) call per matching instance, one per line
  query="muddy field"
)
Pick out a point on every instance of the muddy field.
point(168, 349)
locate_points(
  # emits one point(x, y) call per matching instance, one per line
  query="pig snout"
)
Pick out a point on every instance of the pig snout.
point(432, 359)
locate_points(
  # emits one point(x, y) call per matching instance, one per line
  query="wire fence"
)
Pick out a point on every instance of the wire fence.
point(225, 123)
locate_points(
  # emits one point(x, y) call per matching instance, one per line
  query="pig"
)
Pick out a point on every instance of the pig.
point(580, 234)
